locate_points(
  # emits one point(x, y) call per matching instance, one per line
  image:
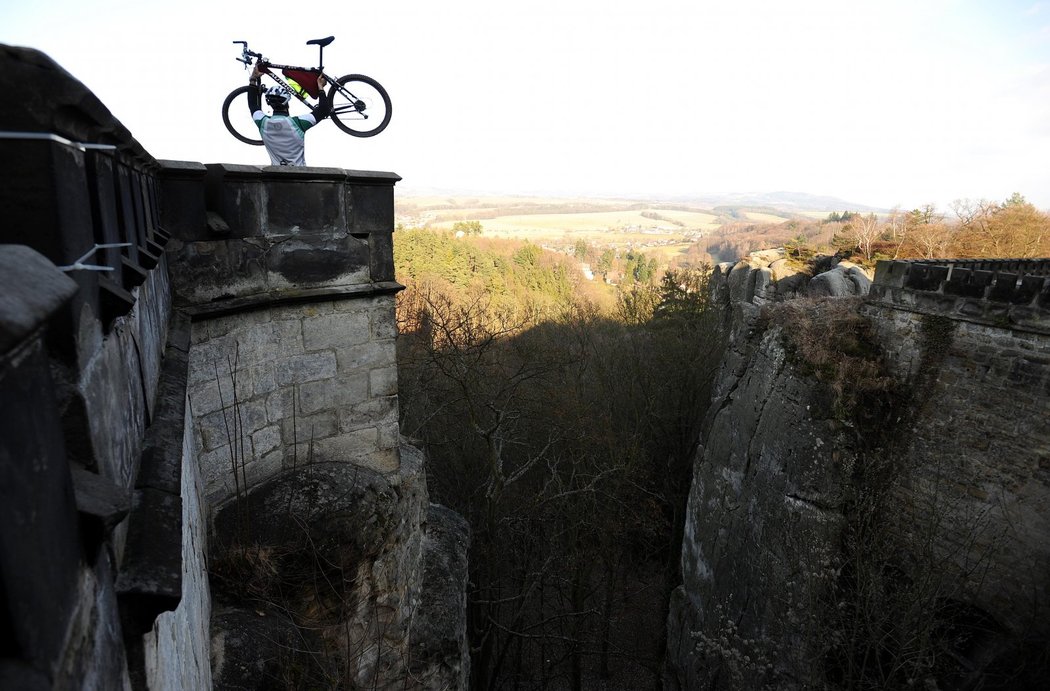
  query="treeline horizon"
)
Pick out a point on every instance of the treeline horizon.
point(981, 229)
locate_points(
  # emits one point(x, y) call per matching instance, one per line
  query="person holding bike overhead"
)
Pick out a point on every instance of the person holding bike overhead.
point(284, 135)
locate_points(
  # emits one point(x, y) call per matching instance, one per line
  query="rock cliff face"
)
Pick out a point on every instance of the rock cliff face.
point(833, 510)
point(768, 482)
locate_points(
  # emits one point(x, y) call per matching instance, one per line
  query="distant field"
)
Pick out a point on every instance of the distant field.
point(659, 229)
point(602, 221)
point(692, 219)
point(764, 217)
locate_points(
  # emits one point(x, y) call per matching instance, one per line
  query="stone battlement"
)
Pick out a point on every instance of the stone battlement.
point(1011, 293)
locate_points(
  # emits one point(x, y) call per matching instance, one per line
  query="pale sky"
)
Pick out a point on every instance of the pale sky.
point(878, 102)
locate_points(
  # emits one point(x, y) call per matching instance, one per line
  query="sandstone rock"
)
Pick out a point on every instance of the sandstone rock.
point(719, 284)
point(782, 269)
point(764, 258)
point(860, 279)
point(355, 556)
point(754, 484)
point(765, 288)
point(441, 656)
point(763, 544)
point(844, 280)
point(741, 282)
point(792, 286)
point(339, 547)
point(337, 507)
point(259, 648)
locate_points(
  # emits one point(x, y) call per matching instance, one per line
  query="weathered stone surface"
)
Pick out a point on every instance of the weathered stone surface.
point(176, 650)
point(290, 231)
point(763, 536)
point(767, 276)
point(162, 458)
point(439, 647)
point(346, 536)
point(33, 290)
point(39, 564)
point(259, 648)
point(292, 383)
point(992, 292)
point(150, 580)
point(767, 483)
point(741, 282)
point(765, 289)
point(100, 499)
point(95, 656)
point(844, 280)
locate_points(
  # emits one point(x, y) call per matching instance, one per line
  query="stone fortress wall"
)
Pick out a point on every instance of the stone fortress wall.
point(164, 324)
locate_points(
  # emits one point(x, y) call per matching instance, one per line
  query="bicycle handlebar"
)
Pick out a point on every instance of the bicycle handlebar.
point(246, 54)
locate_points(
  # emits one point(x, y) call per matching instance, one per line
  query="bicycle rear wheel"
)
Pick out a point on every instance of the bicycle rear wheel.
point(360, 106)
point(238, 120)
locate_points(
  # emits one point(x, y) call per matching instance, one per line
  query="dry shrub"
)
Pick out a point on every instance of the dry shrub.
point(829, 339)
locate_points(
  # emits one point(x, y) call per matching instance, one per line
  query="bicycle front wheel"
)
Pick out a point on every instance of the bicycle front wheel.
point(238, 119)
point(360, 106)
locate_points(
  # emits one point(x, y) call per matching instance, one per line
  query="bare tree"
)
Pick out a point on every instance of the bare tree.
point(865, 230)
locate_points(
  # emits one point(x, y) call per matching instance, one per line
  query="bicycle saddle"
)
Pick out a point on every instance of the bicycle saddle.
point(321, 41)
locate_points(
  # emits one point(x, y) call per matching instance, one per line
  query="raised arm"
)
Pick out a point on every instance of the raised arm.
point(324, 108)
point(254, 91)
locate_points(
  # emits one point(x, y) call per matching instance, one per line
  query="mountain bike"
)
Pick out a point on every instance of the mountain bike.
point(360, 105)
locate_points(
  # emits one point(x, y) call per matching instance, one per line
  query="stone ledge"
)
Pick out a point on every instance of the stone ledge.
point(150, 580)
point(251, 303)
point(233, 171)
point(160, 466)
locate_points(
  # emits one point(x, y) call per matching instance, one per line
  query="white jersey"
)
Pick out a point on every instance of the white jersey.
point(284, 137)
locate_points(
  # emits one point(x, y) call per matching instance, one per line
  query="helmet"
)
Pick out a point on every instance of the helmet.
point(277, 96)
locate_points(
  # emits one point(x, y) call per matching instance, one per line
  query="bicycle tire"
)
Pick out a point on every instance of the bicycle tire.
point(354, 109)
point(241, 116)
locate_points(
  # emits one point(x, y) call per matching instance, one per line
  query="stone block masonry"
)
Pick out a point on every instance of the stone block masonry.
point(977, 444)
point(288, 277)
point(279, 388)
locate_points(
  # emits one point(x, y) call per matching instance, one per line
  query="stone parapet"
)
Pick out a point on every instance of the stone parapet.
point(40, 569)
point(1004, 292)
point(247, 236)
point(81, 198)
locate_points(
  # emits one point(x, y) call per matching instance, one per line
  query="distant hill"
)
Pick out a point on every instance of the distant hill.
point(786, 201)
point(782, 200)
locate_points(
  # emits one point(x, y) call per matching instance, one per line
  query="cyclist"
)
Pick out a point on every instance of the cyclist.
point(283, 134)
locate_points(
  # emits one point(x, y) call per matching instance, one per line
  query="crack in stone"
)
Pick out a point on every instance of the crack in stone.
point(808, 503)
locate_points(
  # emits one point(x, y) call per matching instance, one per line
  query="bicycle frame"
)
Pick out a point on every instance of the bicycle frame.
point(269, 71)
point(246, 58)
